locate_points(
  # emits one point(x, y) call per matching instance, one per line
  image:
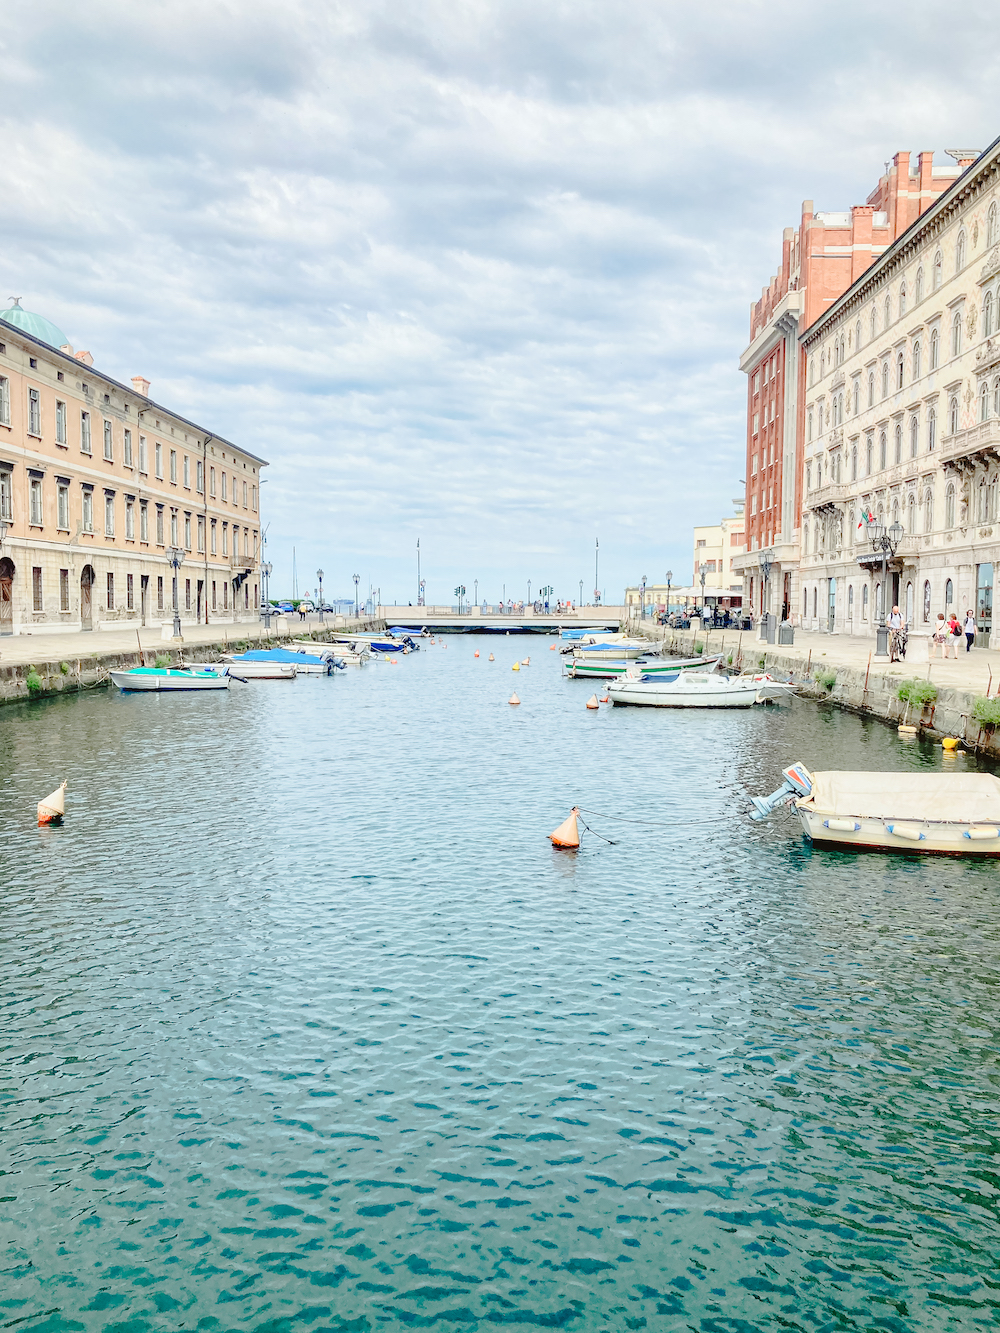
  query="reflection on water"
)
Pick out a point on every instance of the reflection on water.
point(307, 1025)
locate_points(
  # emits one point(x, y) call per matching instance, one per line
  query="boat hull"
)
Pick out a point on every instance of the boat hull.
point(874, 835)
point(687, 691)
point(610, 670)
point(151, 681)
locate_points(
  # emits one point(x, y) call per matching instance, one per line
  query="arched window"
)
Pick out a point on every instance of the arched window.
point(935, 349)
point(871, 388)
point(809, 425)
point(916, 360)
point(919, 292)
point(822, 364)
point(902, 300)
point(873, 322)
point(857, 397)
point(956, 333)
point(814, 602)
point(949, 594)
point(984, 401)
point(988, 315)
point(857, 335)
point(953, 416)
point(911, 513)
point(960, 252)
point(882, 460)
point(936, 280)
point(888, 311)
point(927, 600)
point(842, 346)
point(949, 505)
point(899, 371)
point(850, 601)
point(996, 398)
point(914, 432)
point(895, 511)
point(991, 225)
point(812, 371)
point(898, 456)
point(878, 597)
point(864, 602)
point(885, 379)
point(854, 462)
point(805, 603)
point(869, 459)
point(928, 510)
point(931, 430)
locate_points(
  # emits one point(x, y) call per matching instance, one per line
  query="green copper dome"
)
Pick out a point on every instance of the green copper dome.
point(34, 324)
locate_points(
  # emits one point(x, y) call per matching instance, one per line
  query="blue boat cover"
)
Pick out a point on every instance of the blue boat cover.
point(280, 655)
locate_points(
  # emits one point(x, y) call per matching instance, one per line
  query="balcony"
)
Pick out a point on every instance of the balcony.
point(967, 448)
point(831, 493)
point(242, 561)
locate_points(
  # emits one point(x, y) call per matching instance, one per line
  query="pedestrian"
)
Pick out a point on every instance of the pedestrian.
point(954, 635)
point(970, 630)
point(897, 646)
point(940, 636)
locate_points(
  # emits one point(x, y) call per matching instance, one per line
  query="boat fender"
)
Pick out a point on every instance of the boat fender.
point(592, 702)
point(980, 833)
point(906, 730)
point(568, 833)
point(513, 699)
point(950, 742)
point(909, 831)
point(53, 807)
point(842, 825)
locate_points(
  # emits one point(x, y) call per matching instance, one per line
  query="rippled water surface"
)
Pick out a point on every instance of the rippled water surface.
point(306, 1025)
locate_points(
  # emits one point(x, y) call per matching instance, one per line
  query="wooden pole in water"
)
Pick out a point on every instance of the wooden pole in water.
point(142, 660)
point(809, 664)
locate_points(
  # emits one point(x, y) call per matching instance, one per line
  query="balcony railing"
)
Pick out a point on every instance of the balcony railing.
point(973, 443)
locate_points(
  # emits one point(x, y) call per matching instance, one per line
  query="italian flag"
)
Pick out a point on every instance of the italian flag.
point(866, 517)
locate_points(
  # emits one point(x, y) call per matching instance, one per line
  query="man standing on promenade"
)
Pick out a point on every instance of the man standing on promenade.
point(970, 630)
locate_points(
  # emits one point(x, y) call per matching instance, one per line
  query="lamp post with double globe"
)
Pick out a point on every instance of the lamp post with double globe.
point(175, 557)
point(885, 540)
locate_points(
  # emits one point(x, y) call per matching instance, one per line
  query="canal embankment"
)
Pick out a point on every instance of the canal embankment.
point(947, 698)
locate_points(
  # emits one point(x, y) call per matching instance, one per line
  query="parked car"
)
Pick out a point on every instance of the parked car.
point(285, 608)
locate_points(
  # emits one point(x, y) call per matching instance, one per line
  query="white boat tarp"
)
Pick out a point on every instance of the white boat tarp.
point(961, 798)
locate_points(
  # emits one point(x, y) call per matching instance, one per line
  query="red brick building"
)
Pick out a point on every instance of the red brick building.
point(819, 261)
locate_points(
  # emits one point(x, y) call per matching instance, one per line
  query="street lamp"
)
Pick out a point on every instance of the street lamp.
point(175, 557)
point(581, 593)
point(319, 575)
point(528, 603)
point(703, 570)
point(670, 575)
point(642, 598)
point(765, 559)
point(475, 583)
point(885, 541)
point(265, 569)
point(357, 580)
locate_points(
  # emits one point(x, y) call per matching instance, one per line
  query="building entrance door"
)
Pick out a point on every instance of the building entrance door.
point(144, 595)
point(201, 589)
point(6, 596)
point(895, 594)
point(984, 605)
point(831, 617)
point(786, 596)
point(87, 597)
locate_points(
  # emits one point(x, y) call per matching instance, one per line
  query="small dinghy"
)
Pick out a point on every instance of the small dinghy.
point(945, 814)
point(685, 689)
point(169, 678)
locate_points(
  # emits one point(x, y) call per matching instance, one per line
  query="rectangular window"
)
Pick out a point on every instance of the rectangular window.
point(225, 539)
point(187, 472)
point(6, 497)
point(60, 423)
point(143, 457)
point(159, 591)
point(143, 521)
point(64, 590)
point(225, 595)
point(173, 466)
point(236, 498)
point(213, 594)
point(211, 482)
point(128, 448)
point(173, 527)
point(253, 498)
point(109, 516)
point(187, 532)
point(129, 592)
point(201, 532)
point(244, 495)
point(4, 401)
point(35, 503)
point(199, 474)
point(158, 459)
point(88, 511)
point(85, 446)
point(62, 506)
point(246, 541)
point(36, 588)
point(34, 413)
point(109, 448)
point(223, 488)
point(187, 594)
point(213, 537)
point(130, 520)
point(159, 525)
point(111, 592)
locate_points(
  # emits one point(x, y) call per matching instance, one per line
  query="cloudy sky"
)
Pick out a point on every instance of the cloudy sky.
point(468, 271)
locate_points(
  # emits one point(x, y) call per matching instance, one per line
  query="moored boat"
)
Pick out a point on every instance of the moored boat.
point(628, 649)
point(240, 670)
point(609, 670)
point(949, 814)
point(163, 679)
point(307, 664)
point(685, 689)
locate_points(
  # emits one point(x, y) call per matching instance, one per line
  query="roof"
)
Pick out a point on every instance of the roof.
point(128, 389)
point(39, 327)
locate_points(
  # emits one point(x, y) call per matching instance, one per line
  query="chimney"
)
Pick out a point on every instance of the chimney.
point(85, 357)
point(140, 385)
point(963, 156)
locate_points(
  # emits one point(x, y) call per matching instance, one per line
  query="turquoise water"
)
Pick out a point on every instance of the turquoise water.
point(306, 1025)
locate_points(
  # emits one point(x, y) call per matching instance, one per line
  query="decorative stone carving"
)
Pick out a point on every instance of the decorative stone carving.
point(992, 266)
point(975, 234)
point(971, 320)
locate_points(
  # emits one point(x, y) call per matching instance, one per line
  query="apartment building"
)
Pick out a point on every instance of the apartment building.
point(97, 483)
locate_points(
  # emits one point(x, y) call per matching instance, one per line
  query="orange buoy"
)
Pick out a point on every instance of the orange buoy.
point(52, 809)
point(476, 653)
point(491, 658)
point(592, 702)
point(568, 832)
point(552, 647)
point(513, 699)
point(605, 698)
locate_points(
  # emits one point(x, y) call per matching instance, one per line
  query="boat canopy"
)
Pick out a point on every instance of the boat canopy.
point(280, 655)
point(961, 798)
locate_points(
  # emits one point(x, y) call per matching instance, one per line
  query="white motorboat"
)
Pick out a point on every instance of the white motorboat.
point(615, 650)
point(161, 679)
point(351, 651)
point(950, 814)
point(237, 670)
point(602, 668)
point(688, 689)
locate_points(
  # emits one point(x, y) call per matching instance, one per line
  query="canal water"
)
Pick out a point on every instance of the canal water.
point(306, 1024)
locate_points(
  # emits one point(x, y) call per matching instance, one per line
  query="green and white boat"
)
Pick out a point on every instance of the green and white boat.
point(160, 679)
point(611, 670)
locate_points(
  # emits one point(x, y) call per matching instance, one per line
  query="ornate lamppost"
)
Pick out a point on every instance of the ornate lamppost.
point(885, 540)
point(319, 575)
point(265, 570)
point(175, 557)
point(765, 559)
point(702, 571)
point(670, 575)
point(357, 580)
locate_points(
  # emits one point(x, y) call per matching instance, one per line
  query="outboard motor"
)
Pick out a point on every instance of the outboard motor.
point(797, 783)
